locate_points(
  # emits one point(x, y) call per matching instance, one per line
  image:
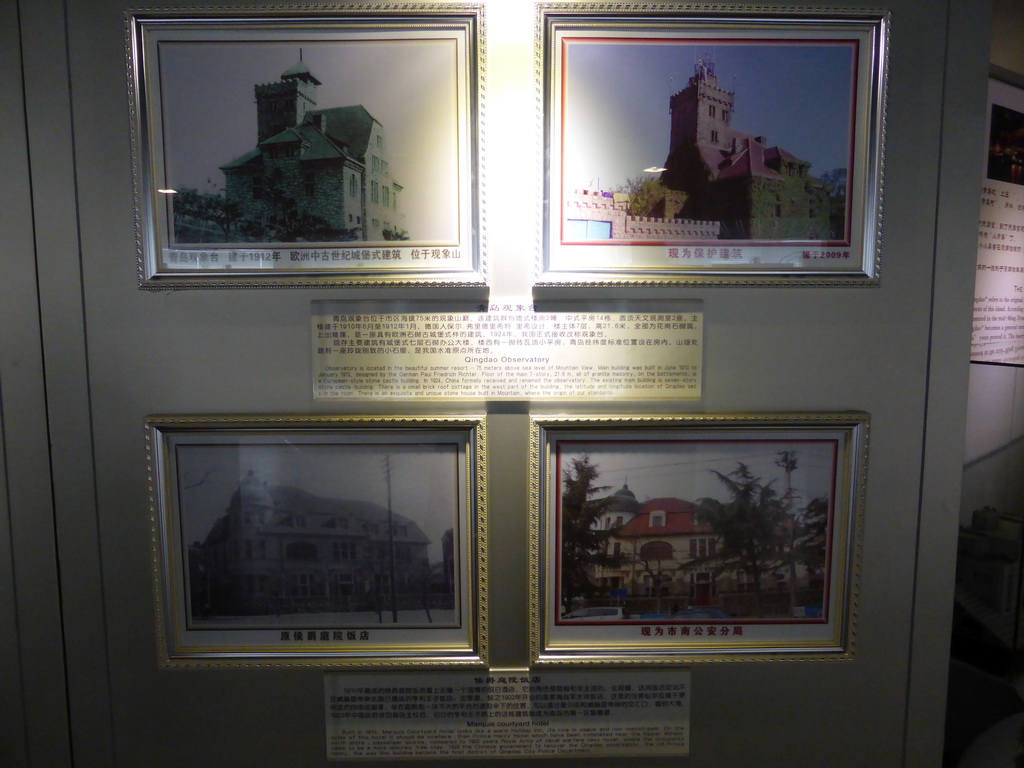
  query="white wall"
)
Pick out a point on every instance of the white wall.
point(994, 446)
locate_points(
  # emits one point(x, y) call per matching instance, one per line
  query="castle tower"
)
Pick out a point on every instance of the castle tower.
point(702, 111)
point(285, 103)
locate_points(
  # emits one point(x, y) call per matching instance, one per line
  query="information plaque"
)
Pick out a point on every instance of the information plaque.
point(998, 330)
point(507, 713)
point(506, 352)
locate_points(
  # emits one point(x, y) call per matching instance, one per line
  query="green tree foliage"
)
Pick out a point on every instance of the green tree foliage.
point(809, 546)
point(203, 217)
point(685, 171)
point(197, 214)
point(751, 527)
point(835, 183)
point(584, 544)
point(646, 195)
point(761, 531)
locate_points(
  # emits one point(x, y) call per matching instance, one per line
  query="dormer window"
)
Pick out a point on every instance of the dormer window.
point(658, 519)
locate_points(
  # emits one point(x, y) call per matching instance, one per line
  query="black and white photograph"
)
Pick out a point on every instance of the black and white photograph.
point(696, 534)
point(320, 534)
point(276, 146)
point(317, 533)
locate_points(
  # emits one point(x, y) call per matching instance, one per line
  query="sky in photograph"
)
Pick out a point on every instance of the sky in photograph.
point(685, 470)
point(424, 483)
point(616, 102)
point(409, 86)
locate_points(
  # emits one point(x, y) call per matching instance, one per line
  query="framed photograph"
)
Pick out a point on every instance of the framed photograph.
point(288, 147)
point(671, 539)
point(318, 540)
point(685, 144)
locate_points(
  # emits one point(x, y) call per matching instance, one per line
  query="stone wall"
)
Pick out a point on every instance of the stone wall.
point(597, 205)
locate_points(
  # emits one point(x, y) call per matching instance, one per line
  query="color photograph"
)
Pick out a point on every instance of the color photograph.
point(1006, 145)
point(676, 530)
point(695, 536)
point(711, 150)
point(742, 141)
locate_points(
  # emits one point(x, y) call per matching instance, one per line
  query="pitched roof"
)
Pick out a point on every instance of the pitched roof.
point(680, 518)
point(317, 144)
point(350, 126)
point(300, 71)
point(747, 163)
point(320, 511)
point(326, 134)
point(248, 157)
point(750, 158)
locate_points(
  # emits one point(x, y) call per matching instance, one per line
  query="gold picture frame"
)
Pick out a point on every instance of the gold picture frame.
point(679, 538)
point(319, 540)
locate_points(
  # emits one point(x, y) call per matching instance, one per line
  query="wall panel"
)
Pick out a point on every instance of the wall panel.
point(115, 354)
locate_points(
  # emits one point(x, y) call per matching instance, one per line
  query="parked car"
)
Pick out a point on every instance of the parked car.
point(702, 612)
point(597, 613)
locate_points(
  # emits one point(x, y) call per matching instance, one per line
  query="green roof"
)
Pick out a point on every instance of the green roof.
point(238, 162)
point(350, 126)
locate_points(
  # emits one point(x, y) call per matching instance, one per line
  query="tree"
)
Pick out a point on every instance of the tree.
point(811, 535)
point(751, 527)
point(787, 462)
point(808, 528)
point(835, 183)
point(651, 557)
point(194, 210)
point(395, 234)
point(646, 195)
point(218, 210)
point(584, 544)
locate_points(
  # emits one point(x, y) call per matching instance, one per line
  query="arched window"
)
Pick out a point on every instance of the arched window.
point(656, 550)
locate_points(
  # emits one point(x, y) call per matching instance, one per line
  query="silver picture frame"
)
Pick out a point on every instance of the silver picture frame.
point(704, 144)
point(306, 146)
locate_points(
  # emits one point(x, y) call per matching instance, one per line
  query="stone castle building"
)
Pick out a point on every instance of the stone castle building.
point(756, 191)
point(720, 183)
point(320, 173)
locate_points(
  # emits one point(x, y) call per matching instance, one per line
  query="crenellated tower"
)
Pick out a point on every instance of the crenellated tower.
point(285, 103)
point(701, 112)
